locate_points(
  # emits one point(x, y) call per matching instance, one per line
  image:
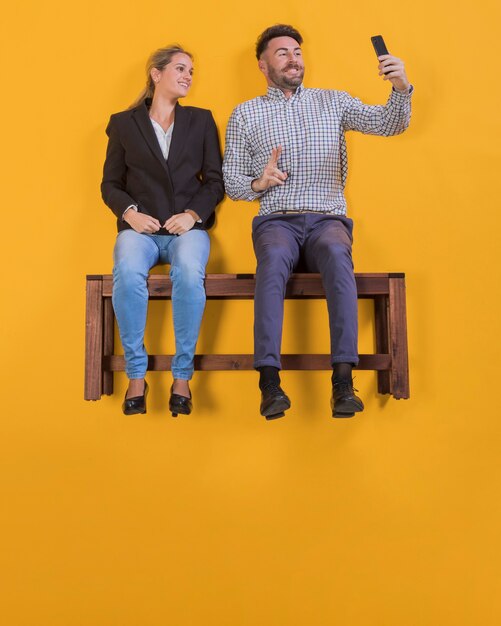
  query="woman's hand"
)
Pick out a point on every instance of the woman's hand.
point(141, 222)
point(180, 223)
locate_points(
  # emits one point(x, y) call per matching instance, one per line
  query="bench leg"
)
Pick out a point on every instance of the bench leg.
point(94, 340)
point(398, 339)
point(382, 341)
point(108, 343)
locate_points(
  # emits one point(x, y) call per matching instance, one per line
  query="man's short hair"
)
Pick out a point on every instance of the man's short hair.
point(278, 30)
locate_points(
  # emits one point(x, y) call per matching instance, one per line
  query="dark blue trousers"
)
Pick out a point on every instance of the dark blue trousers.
point(323, 243)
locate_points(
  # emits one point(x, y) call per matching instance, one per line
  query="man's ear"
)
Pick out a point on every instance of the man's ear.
point(262, 66)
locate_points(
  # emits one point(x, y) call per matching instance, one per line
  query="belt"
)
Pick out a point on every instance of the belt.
point(299, 211)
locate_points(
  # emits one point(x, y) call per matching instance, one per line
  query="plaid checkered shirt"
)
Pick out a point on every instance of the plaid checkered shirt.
point(310, 126)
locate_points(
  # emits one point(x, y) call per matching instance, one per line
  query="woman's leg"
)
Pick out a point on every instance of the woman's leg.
point(133, 256)
point(188, 256)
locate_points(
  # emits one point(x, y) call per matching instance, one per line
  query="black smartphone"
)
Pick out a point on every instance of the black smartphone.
point(379, 45)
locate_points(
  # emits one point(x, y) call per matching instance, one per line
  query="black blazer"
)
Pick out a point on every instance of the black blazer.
point(135, 171)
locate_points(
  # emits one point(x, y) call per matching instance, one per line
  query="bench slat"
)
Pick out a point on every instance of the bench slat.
point(220, 362)
point(241, 286)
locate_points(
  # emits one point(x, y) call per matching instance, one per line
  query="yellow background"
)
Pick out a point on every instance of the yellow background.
point(220, 518)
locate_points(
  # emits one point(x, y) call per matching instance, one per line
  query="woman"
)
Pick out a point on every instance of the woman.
point(162, 179)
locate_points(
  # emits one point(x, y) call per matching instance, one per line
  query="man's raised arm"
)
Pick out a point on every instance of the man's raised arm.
point(389, 119)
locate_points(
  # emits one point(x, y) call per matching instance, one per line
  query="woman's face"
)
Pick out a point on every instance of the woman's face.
point(174, 81)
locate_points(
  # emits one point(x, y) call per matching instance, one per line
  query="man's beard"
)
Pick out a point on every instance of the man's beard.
point(285, 82)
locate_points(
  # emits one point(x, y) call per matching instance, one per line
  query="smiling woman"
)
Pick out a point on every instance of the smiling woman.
point(171, 62)
point(162, 178)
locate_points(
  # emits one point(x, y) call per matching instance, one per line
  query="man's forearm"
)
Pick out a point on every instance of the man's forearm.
point(240, 187)
point(386, 120)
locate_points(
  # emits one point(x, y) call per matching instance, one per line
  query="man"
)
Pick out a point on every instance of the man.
point(288, 150)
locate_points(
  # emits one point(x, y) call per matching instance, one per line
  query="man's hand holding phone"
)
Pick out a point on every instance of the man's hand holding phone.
point(390, 68)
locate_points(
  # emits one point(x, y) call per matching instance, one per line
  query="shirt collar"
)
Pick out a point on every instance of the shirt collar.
point(277, 94)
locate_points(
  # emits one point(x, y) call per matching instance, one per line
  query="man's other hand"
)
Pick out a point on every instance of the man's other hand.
point(271, 176)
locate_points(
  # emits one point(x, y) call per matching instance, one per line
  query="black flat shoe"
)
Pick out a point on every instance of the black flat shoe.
point(274, 401)
point(179, 404)
point(132, 406)
point(344, 402)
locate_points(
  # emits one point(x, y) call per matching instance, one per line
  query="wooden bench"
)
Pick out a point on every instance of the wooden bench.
point(387, 291)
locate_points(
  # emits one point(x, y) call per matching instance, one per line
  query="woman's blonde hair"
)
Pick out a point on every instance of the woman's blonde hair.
point(159, 59)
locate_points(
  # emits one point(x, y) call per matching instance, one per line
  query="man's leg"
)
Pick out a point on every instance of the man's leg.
point(276, 247)
point(328, 251)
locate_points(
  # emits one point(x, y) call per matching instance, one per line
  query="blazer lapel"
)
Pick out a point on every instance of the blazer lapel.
point(179, 135)
point(142, 119)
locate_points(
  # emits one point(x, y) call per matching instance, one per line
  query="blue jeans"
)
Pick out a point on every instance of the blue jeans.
point(134, 255)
